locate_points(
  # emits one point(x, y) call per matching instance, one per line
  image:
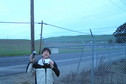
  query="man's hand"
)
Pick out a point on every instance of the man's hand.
point(31, 60)
point(51, 63)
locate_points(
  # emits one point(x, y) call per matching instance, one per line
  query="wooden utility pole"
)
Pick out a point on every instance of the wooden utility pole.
point(32, 25)
point(41, 38)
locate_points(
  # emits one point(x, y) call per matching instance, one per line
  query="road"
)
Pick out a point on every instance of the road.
point(17, 64)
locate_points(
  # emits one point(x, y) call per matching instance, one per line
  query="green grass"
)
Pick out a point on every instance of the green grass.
point(14, 47)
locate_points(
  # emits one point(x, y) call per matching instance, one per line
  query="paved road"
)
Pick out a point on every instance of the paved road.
point(17, 64)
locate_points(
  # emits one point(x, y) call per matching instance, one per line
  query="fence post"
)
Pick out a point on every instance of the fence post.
point(92, 70)
point(80, 58)
point(109, 47)
point(118, 52)
point(96, 57)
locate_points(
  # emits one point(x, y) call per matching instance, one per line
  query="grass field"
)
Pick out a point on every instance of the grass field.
point(15, 47)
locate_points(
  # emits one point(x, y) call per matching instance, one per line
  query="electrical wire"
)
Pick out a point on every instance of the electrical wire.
point(64, 28)
point(19, 34)
point(18, 22)
point(52, 26)
point(117, 6)
point(44, 24)
point(123, 2)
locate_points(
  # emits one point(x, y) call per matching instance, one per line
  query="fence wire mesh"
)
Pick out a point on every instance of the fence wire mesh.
point(101, 61)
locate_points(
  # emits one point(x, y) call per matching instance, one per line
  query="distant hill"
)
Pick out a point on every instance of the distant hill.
point(80, 37)
point(66, 38)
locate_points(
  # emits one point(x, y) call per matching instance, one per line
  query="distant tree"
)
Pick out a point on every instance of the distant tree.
point(120, 34)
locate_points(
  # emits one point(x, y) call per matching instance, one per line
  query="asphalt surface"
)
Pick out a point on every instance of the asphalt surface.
point(17, 64)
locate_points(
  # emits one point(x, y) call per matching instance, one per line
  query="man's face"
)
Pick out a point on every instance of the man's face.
point(46, 54)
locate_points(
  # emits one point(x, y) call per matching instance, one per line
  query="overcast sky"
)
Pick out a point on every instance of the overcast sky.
point(101, 16)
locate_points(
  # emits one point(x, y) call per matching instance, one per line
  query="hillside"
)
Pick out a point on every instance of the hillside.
point(80, 37)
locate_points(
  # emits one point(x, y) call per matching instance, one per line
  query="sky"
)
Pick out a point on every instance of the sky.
point(101, 16)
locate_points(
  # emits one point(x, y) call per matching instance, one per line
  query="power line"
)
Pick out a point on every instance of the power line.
point(123, 2)
point(44, 24)
point(53, 26)
point(117, 6)
point(103, 27)
point(47, 24)
point(19, 34)
point(64, 28)
point(18, 22)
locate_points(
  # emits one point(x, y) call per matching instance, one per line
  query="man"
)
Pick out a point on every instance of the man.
point(45, 68)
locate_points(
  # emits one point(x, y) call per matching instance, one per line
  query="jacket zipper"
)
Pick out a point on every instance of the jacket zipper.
point(45, 76)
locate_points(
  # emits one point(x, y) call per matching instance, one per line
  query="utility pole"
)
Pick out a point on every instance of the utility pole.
point(32, 25)
point(41, 37)
point(92, 70)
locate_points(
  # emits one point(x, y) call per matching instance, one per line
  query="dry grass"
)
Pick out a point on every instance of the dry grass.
point(103, 74)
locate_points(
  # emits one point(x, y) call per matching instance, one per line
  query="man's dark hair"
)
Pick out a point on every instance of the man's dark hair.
point(44, 49)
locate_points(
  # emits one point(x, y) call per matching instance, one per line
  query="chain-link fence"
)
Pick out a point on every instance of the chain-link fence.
point(97, 61)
